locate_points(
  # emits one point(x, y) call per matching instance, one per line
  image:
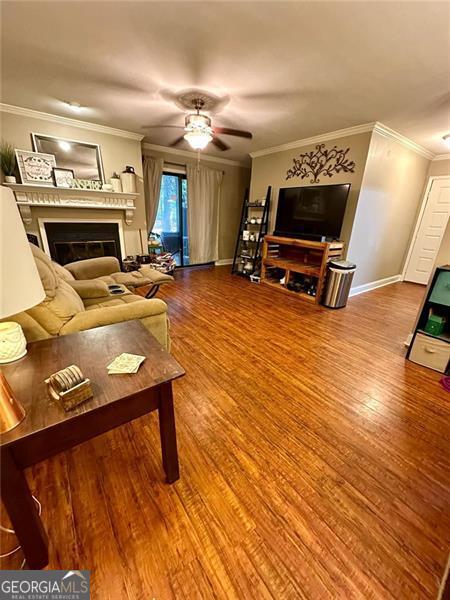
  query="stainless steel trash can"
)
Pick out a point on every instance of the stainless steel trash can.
point(339, 281)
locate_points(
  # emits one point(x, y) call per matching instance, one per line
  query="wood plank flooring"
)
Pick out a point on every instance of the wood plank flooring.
point(314, 459)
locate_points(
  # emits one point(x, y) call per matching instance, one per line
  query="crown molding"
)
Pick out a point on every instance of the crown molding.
point(332, 135)
point(188, 154)
point(404, 141)
point(35, 114)
point(323, 137)
point(442, 157)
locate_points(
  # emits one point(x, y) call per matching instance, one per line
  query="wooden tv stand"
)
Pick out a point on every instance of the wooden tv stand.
point(298, 256)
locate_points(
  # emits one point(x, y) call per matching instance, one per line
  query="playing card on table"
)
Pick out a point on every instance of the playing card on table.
point(125, 363)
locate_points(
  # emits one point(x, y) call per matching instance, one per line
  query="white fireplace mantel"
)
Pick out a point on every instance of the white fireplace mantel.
point(28, 196)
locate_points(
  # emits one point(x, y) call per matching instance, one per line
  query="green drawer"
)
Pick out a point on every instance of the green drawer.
point(441, 289)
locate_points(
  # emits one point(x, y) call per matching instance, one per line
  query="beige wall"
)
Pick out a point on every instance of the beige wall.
point(388, 204)
point(439, 167)
point(386, 191)
point(117, 152)
point(235, 180)
point(271, 170)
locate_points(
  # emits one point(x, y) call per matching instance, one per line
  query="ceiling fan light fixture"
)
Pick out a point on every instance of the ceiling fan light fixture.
point(198, 138)
point(198, 121)
point(198, 131)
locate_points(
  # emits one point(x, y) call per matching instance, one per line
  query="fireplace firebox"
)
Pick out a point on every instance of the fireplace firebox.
point(68, 242)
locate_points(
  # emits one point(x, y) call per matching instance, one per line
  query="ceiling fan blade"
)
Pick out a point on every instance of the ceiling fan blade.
point(236, 132)
point(220, 144)
point(161, 126)
point(177, 141)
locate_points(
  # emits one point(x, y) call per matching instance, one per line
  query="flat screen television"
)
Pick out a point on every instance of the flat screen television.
point(313, 212)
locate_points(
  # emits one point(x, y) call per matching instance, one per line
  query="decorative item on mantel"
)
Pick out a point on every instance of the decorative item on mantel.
point(116, 183)
point(87, 184)
point(8, 161)
point(128, 178)
point(35, 168)
point(63, 177)
point(321, 162)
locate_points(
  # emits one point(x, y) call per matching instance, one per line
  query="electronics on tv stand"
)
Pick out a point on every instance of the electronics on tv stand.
point(311, 212)
point(307, 236)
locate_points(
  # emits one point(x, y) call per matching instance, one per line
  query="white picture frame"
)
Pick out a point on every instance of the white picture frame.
point(35, 168)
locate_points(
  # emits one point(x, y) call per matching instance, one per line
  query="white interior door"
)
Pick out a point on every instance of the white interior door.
point(429, 233)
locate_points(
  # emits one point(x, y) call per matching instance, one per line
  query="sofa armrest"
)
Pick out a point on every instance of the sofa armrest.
point(93, 267)
point(90, 288)
point(107, 315)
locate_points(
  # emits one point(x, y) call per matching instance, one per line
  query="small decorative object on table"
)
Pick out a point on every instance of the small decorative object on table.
point(69, 387)
point(125, 363)
point(63, 178)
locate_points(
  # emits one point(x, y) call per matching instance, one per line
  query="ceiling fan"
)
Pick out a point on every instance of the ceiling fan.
point(199, 131)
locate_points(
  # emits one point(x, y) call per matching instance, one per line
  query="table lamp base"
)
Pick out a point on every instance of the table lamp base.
point(11, 411)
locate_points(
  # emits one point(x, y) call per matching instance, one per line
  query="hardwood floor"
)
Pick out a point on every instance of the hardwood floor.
point(314, 459)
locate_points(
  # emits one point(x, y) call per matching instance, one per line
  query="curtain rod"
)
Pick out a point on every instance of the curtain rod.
point(175, 164)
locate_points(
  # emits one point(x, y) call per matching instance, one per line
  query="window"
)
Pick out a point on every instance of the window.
point(171, 218)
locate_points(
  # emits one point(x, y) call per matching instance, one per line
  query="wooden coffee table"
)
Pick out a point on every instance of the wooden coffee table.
point(47, 429)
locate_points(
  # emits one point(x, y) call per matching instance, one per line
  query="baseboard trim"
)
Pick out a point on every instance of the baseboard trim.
point(373, 285)
point(223, 261)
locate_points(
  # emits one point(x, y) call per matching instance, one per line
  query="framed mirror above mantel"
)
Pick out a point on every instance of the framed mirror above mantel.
point(83, 158)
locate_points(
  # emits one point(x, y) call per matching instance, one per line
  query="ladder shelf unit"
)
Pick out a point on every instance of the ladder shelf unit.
point(252, 229)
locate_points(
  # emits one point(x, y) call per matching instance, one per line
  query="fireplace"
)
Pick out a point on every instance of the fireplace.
point(71, 241)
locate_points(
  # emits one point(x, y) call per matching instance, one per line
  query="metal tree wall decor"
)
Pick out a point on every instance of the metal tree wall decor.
point(321, 162)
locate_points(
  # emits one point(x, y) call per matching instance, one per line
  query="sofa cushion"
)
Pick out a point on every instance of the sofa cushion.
point(89, 288)
point(62, 272)
point(114, 301)
point(92, 268)
point(145, 276)
point(155, 275)
point(61, 300)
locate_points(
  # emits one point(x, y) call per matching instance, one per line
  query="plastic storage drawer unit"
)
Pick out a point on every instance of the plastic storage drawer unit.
point(430, 353)
point(441, 289)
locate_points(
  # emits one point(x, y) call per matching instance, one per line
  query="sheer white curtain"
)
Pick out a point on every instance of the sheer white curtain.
point(153, 170)
point(203, 187)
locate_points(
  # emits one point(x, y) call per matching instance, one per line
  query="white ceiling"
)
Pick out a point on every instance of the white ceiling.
point(291, 69)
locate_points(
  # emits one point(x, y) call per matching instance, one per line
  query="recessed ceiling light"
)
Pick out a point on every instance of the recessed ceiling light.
point(75, 106)
point(446, 139)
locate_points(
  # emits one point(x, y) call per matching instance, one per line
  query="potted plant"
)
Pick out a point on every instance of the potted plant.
point(8, 161)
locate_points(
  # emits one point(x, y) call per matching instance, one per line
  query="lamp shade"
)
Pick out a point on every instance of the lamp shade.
point(20, 284)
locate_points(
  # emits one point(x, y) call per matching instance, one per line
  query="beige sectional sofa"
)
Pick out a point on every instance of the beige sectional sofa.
point(74, 305)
